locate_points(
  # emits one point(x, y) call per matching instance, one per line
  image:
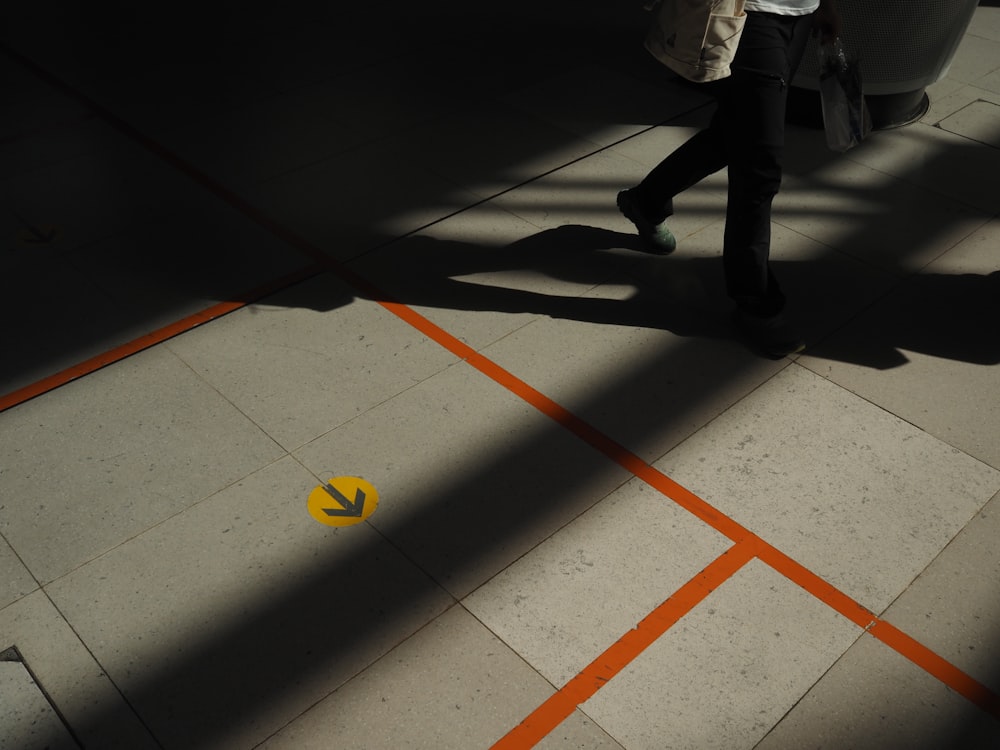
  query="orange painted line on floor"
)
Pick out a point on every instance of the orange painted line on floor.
point(826, 592)
point(148, 340)
point(550, 714)
point(613, 450)
point(883, 631)
point(935, 665)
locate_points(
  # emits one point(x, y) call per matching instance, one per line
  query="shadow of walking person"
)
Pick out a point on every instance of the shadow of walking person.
point(571, 272)
point(949, 316)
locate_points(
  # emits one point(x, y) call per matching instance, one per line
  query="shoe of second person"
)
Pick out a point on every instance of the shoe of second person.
point(772, 335)
point(656, 236)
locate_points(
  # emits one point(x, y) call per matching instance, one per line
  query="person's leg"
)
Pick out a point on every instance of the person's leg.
point(710, 150)
point(649, 203)
point(752, 118)
point(700, 156)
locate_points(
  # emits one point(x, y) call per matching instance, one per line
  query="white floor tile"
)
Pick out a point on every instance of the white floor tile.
point(566, 602)
point(604, 106)
point(651, 146)
point(952, 607)
point(579, 731)
point(725, 674)
point(582, 193)
point(310, 358)
point(231, 619)
point(484, 273)
point(941, 163)
point(616, 367)
point(857, 495)
point(872, 699)
point(103, 458)
point(921, 352)
point(75, 684)
point(979, 121)
point(986, 23)
point(481, 689)
point(976, 57)
point(46, 128)
point(491, 147)
point(268, 137)
point(944, 98)
point(876, 217)
point(470, 477)
point(93, 196)
point(27, 719)
point(990, 85)
point(353, 202)
point(953, 98)
point(15, 580)
point(60, 336)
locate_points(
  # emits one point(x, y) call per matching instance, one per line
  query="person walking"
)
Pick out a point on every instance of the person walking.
point(747, 135)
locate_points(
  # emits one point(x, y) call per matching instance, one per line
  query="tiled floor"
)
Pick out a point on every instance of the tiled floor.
point(248, 253)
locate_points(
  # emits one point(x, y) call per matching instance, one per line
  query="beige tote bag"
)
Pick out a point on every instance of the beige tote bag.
point(697, 39)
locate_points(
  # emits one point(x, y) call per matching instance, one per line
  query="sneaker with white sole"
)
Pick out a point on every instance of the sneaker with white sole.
point(656, 236)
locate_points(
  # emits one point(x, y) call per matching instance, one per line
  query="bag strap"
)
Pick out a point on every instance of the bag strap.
point(738, 11)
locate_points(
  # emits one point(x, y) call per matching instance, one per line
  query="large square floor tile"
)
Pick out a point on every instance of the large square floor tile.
point(978, 121)
point(480, 690)
point(490, 147)
point(40, 285)
point(147, 270)
point(90, 709)
point(484, 273)
point(93, 196)
point(581, 193)
point(728, 671)
point(310, 358)
point(470, 477)
point(876, 215)
point(567, 601)
point(940, 162)
point(226, 622)
point(27, 719)
point(105, 457)
point(15, 580)
point(855, 494)
point(619, 369)
point(603, 105)
point(874, 699)
point(44, 127)
point(925, 352)
point(953, 607)
point(355, 201)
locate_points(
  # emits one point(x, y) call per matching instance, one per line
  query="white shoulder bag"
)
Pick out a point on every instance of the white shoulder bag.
point(697, 39)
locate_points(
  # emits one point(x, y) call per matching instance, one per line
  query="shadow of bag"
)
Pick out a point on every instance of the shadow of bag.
point(697, 39)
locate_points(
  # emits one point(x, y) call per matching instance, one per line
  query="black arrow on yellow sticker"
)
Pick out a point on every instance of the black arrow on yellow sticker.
point(351, 509)
point(341, 510)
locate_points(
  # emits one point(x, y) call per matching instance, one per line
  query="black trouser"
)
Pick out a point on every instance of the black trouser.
point(747, 134)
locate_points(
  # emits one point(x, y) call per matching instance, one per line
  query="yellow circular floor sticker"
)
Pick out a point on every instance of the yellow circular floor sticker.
point(343, 501)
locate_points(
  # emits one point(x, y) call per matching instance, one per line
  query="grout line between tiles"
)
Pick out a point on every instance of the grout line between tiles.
point(747, 545)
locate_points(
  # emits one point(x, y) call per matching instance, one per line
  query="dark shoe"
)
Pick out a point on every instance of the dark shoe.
point(657, 237)
point(772, 335)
